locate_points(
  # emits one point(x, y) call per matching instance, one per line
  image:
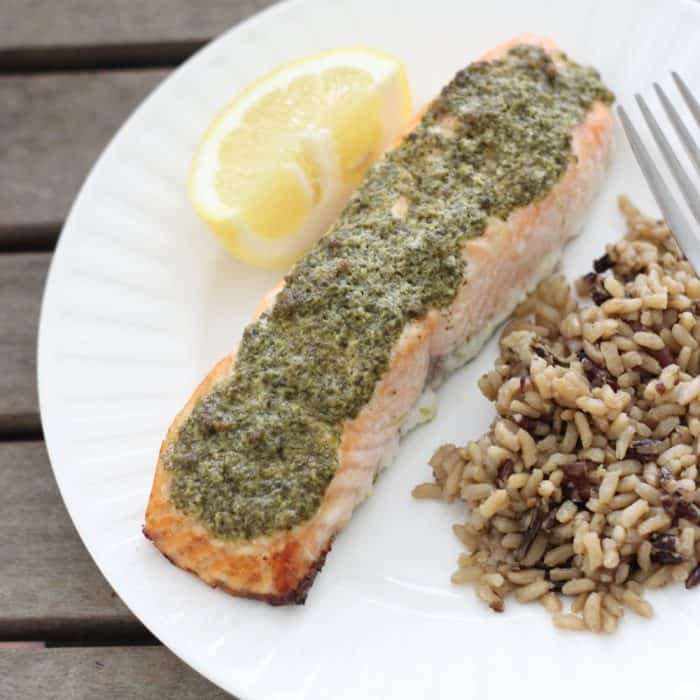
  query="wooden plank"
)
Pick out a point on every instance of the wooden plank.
point(85, 22)
point(22, 277)
point(50, 587)
point(53, 128)
point(108, 673)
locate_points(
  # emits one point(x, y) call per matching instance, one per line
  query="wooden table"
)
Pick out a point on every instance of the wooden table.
point(70, 73)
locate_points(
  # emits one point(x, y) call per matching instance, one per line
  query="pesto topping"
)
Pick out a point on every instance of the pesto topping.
point(257, 453)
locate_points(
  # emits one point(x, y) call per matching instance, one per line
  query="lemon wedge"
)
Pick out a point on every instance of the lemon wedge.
point(279, 162)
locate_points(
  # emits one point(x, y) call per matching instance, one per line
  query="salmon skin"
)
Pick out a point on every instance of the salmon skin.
point(248, 557)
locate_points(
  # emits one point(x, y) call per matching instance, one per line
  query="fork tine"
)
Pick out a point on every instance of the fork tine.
point(693, 104)
point(692, 197)
point(677, 221)
point(688, 141)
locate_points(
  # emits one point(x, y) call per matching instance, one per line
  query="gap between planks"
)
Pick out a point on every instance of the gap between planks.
point(60, 632)
point(103, 57)
point(30, 238)
point(21, 427)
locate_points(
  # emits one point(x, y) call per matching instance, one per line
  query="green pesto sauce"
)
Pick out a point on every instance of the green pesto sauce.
point(257, 453)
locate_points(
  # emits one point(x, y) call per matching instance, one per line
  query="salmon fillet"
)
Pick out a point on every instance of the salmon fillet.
point(508, 259)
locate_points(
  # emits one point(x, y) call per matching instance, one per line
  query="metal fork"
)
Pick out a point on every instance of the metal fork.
point(687, 235)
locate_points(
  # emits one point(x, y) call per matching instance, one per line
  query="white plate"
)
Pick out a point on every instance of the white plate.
point(141, 301)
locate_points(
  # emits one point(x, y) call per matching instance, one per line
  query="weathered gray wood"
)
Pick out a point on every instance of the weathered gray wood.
point(107, 673)
point(33, 23)
point(49, 586)
point(22, 278)
point(53, 128)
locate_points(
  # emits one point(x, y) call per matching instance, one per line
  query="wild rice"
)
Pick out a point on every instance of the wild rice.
point(587, 483)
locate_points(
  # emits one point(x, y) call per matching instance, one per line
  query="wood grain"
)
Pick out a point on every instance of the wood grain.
point(22, 278)
point(107, 673)
point(49, 586)
point(37, 23)
point(53, 128)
